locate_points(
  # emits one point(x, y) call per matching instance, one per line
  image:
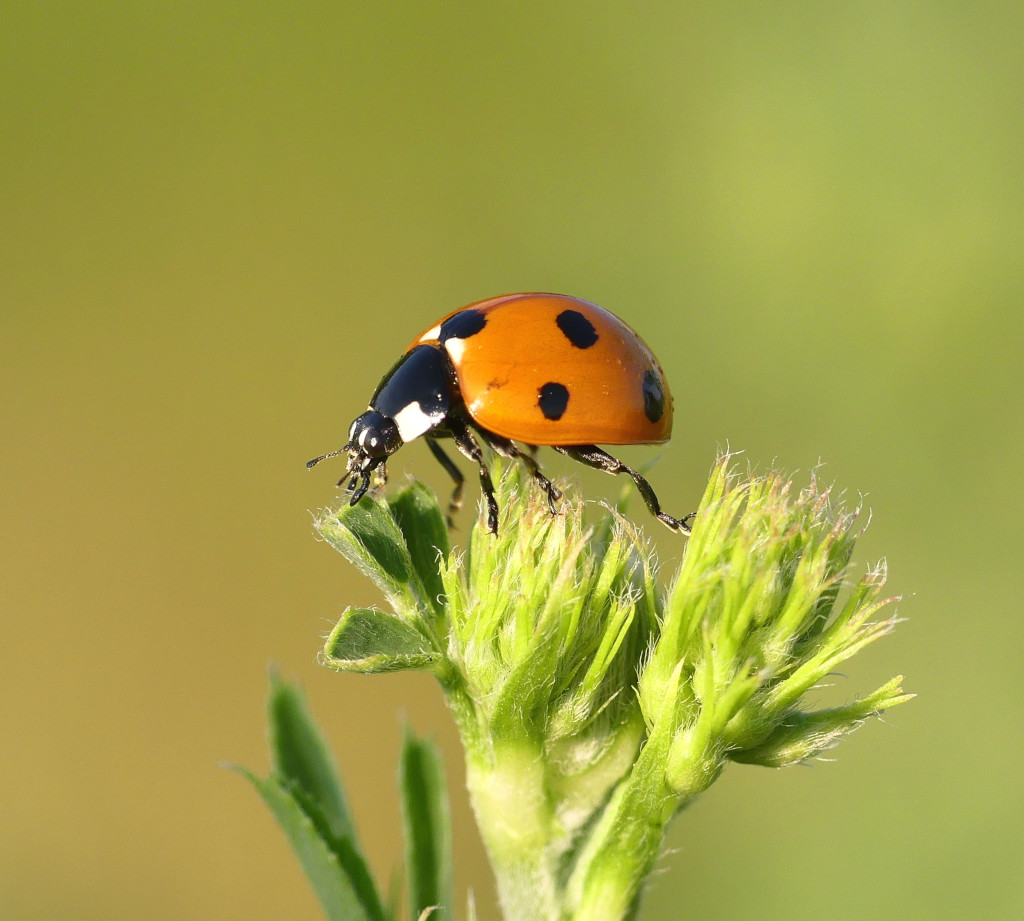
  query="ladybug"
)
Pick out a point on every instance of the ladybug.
point(538, 369)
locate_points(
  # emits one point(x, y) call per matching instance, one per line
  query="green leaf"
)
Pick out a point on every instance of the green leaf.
point(394, 899)
point(320, 858)
point(301, 758)
point(417, 513)
point(802, 735)
point(427, 824)
point(369, 538)
point(306, 779)
point(370, 641)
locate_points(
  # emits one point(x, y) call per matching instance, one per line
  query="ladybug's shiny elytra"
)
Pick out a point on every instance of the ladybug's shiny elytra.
point(538, 369)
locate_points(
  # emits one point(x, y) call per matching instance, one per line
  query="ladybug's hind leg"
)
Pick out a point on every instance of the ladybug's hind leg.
point(455, 503)
point(509, 449)
point(593, 456)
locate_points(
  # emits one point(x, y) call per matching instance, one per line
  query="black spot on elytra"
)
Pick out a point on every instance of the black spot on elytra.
point(577, 328)
point(464, 324)
point(552, 399)
point(654, 396)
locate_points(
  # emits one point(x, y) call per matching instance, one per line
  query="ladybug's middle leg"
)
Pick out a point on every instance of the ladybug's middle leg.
point(593, 456)
point(455, 503)
point(509, 449)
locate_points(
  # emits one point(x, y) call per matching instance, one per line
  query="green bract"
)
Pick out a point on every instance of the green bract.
point(594, 705)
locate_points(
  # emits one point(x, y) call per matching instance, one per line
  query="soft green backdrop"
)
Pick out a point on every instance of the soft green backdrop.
point(220, 223)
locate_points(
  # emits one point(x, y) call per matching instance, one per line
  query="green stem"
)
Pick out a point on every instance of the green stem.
point(626, 842)
point(508, 793)
point(536, 809)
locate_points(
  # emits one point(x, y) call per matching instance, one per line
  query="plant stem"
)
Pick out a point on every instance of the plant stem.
point(517, 823)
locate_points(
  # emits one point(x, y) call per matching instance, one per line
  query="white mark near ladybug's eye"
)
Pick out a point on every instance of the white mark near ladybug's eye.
point(412, 421)
point(455, 348)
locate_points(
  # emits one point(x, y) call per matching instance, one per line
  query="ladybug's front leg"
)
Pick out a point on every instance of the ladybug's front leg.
point(469, 446)
point(359, 491)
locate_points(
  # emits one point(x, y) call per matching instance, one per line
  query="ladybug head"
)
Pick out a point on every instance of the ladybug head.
point(372, 438)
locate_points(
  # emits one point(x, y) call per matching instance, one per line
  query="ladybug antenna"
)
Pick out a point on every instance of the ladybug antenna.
point(316, 460)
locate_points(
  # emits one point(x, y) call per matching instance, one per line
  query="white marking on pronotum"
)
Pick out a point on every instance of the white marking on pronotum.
point(431, 334)
point(413, 422)
point(455, 347)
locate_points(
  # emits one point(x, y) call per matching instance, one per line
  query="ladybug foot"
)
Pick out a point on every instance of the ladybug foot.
point(682, 525)
point(554, 495)
point(492, 515)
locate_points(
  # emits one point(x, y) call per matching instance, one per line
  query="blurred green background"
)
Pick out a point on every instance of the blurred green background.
point(222, 222)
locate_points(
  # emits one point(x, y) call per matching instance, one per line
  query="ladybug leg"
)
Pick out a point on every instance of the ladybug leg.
point(449, 465)
point(593, 456)
point(359, 478)
point(469, 446)
point(364, 484)
point(381, 478)
point(509, 449)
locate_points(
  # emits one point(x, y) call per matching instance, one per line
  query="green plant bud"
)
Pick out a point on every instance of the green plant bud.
point(594, 705)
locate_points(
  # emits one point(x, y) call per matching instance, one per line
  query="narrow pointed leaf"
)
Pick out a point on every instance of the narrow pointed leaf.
point(331, 882)
point(394, 897)
point(802, 735)
point(427, 825)
point(349, 854)
point(301, 757)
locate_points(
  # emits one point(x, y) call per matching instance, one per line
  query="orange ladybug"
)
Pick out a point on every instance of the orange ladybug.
point(539, 369)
